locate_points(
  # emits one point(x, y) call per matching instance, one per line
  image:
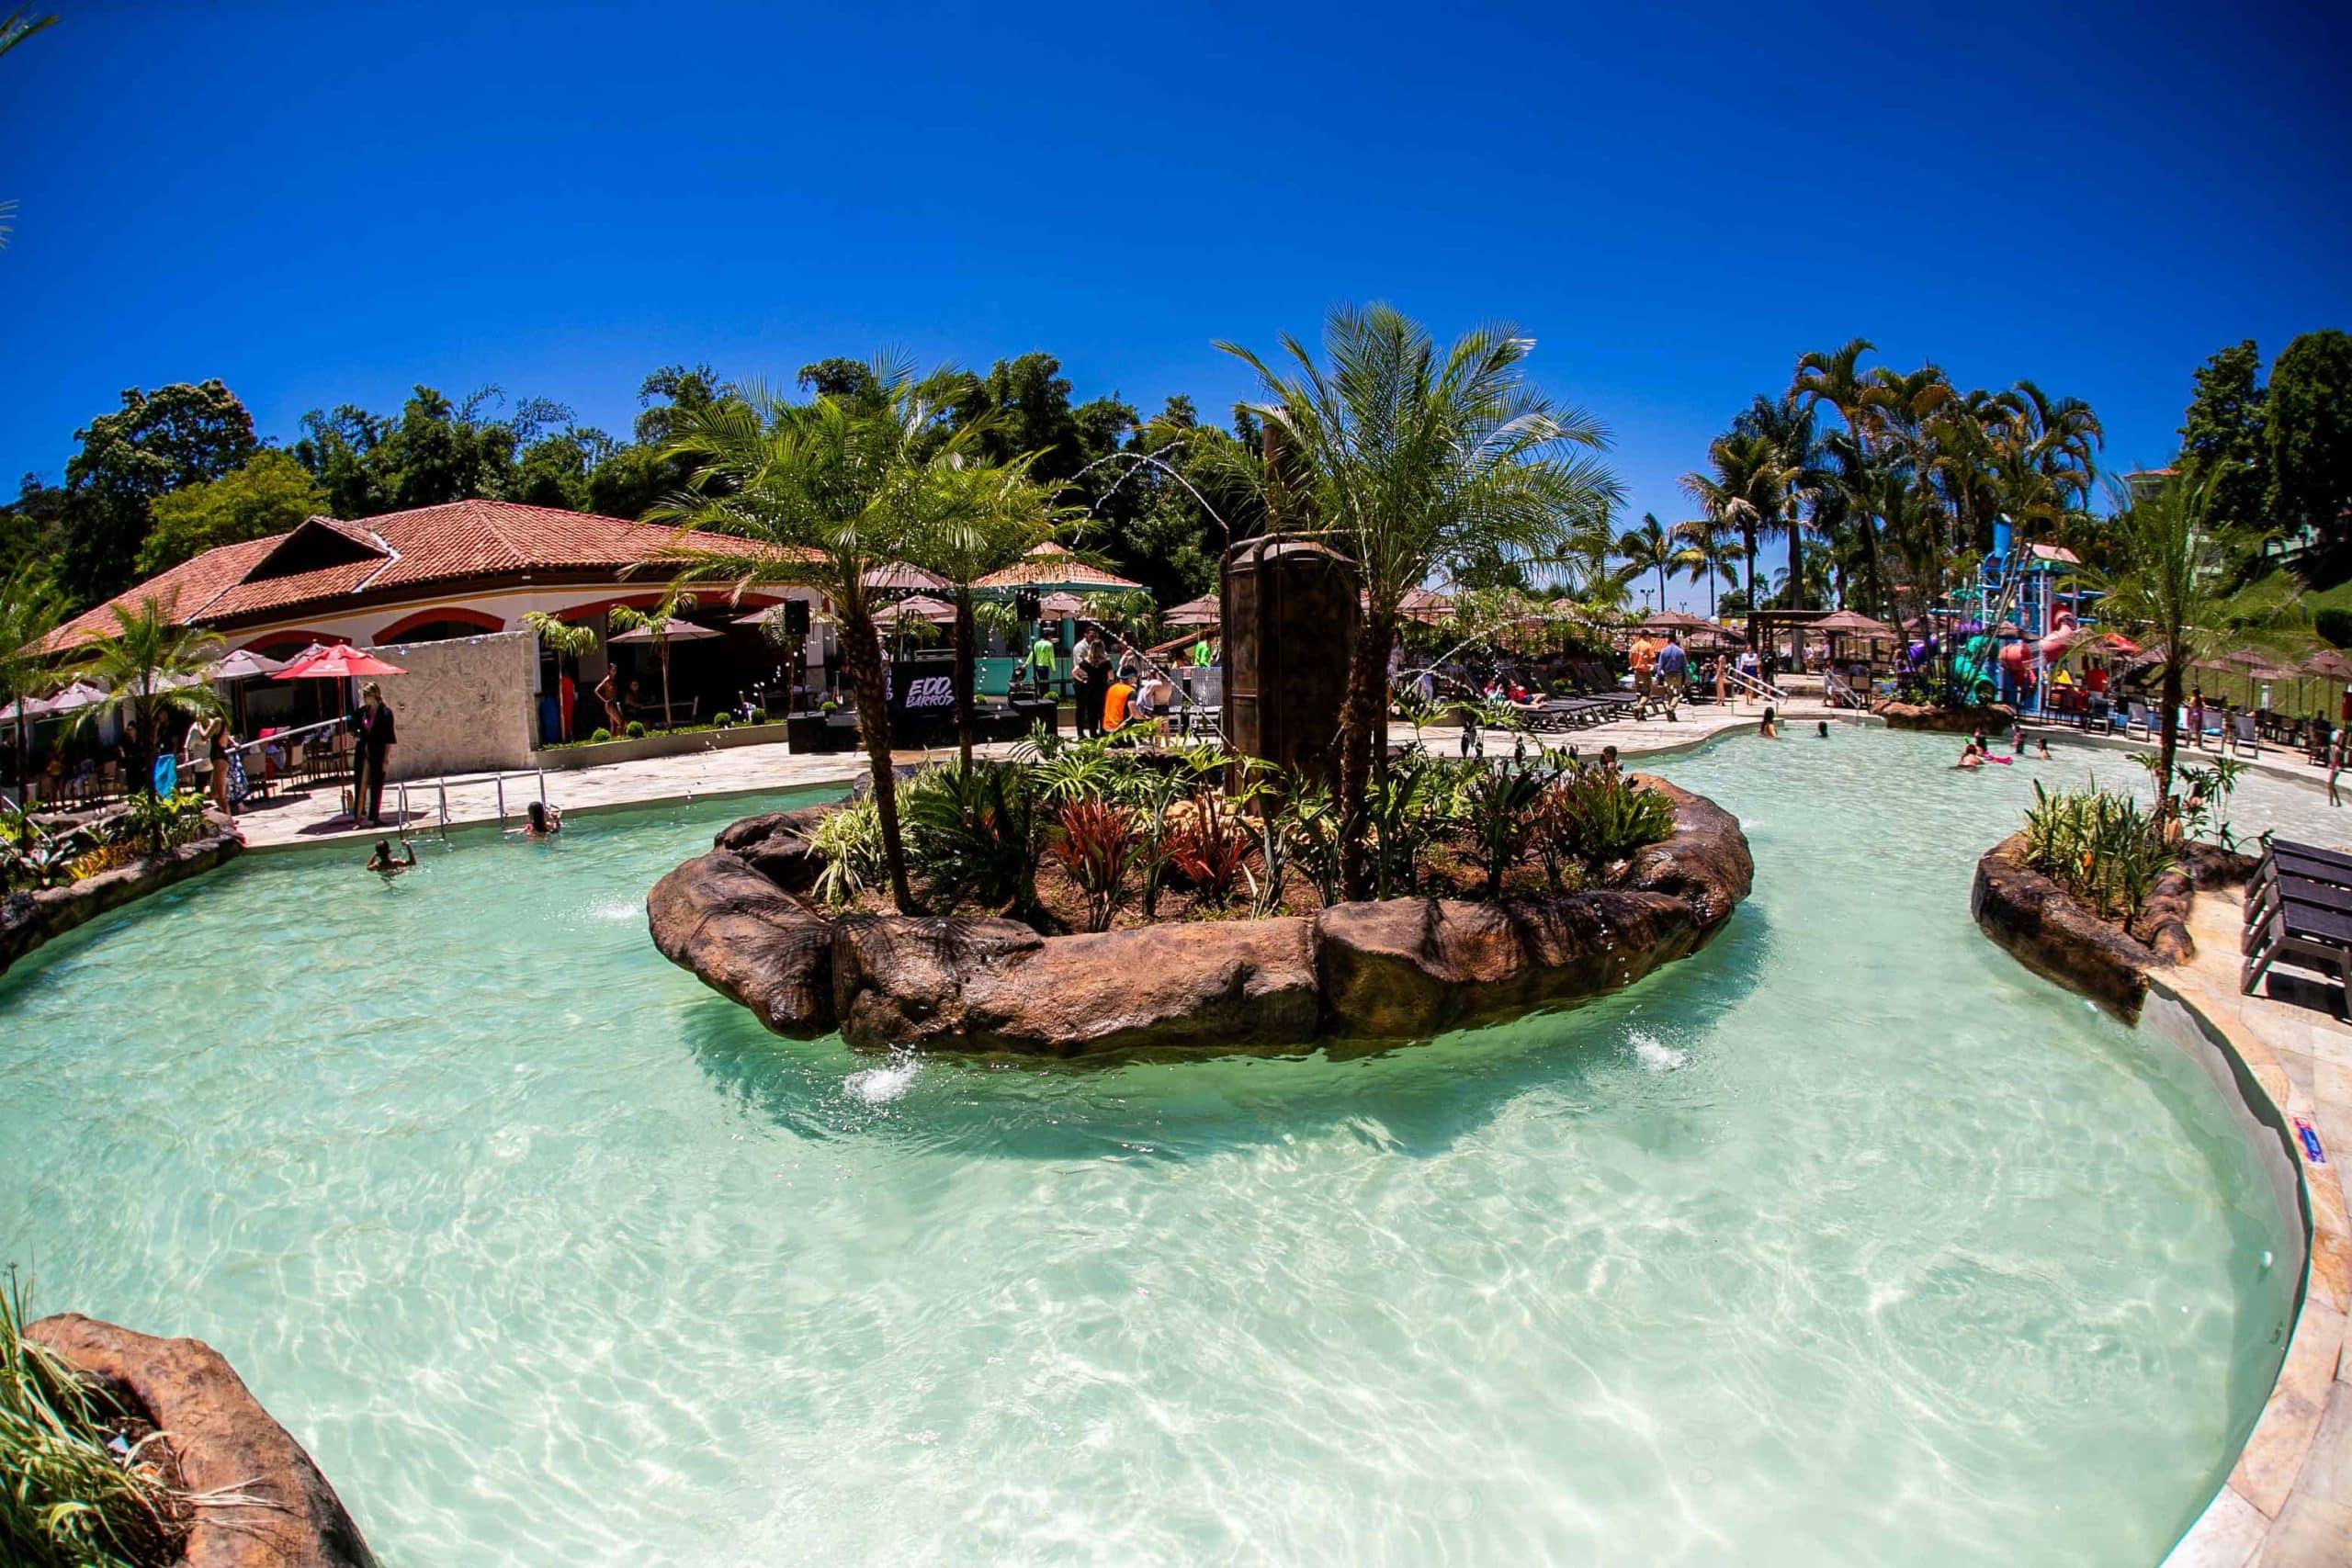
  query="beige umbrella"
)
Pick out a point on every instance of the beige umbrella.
point(921, 608)
point(1204, 611)
point(1060, 606)
point(900, 576)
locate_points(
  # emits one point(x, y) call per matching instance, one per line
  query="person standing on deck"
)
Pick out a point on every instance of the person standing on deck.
point(377, 737)
point(1041, 654)
point(1673, 673)
point(1644, 658)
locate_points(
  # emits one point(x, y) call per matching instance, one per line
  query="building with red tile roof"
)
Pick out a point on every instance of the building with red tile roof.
point(465, 567)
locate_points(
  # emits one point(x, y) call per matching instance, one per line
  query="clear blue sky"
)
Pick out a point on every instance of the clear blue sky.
point(328, 202)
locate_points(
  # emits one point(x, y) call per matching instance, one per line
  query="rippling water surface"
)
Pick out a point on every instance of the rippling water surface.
point(1846, 1240)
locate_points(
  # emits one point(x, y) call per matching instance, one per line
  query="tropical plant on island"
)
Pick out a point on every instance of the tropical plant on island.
point(818, 495)
point(1412, 462)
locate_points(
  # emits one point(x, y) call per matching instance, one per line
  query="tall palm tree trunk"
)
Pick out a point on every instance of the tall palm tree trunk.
point(2169, 737)
point(963, 672)
point(862, 652)
point(1747, 540)
point(1364, 732)
point(661, 649)
point(1661, 585)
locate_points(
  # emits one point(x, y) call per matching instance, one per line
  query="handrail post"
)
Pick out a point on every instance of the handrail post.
point(502, 800)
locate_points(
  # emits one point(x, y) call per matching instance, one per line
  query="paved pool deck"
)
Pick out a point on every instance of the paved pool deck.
point(317, 817)
point(2287, 1503)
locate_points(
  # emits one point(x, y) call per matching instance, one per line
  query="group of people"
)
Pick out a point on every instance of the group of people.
point(1108, 695)
point(1662, 674)
point(1976, 753)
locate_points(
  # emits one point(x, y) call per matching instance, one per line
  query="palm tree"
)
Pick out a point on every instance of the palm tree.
point(1740, 494)
point(1413, 462)
point(32, 606)
point(816, 495)
point(2173, 586)
point(150, 667)
point(1708, 554)
point(1836, 378)
point(1651, 547)
point(1000, 514)
point(655, 624)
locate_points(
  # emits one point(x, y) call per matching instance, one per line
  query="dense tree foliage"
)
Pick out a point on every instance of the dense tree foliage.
point(2223, 450)
point(270, 494)
point(156, 443)
point(2309, 424)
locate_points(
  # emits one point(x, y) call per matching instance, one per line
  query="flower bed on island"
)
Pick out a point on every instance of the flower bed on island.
point(1246, 945)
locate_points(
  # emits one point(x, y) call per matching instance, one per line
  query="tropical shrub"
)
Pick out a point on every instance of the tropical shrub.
point(1406, 811)
point(68, 1501)
point(635, 729)
point(599, 735)
point(850, 844)
point(158, 823)
point(1095, 842)
point(757, 715)
point(1310, 821)
point(1599, 816)
point(31, 857)
point(722, 719)
point(1210, 850)
point(1500, 811)
point(972, 833)
point(2102, 846)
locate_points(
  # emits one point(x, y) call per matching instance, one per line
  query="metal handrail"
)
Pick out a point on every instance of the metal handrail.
point(1740, 679)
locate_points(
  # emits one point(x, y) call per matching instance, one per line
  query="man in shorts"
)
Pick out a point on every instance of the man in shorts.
point(1673, 673)
point(1645, 661)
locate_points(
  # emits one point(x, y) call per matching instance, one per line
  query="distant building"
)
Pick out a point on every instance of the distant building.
point(463, 570)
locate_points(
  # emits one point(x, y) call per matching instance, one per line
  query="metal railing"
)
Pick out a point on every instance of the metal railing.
point(1763, 690)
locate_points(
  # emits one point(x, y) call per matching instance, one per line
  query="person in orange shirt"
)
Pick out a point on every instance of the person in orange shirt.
point(1114, 701)
point(1645, 661)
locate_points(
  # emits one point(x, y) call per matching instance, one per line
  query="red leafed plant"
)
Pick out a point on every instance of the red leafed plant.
point(1096, 841)
point(1210, 850)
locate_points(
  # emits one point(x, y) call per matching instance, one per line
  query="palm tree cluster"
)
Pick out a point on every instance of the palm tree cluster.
point(1886, 507)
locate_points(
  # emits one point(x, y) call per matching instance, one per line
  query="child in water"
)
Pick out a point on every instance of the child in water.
point(385, 863)
point(1770, 728)
point(542, 822)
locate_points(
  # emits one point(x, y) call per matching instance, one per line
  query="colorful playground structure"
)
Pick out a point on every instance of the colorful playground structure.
point(2005, 636)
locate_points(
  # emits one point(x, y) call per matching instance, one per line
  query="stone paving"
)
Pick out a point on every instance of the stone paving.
point(2289, 1500)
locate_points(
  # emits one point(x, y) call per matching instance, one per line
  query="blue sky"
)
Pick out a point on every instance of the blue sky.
point(323, 203)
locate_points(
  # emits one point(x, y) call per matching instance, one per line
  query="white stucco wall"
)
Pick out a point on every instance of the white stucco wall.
point(464, 705)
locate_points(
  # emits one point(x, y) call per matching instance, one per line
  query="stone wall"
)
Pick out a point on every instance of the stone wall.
point(464, 706)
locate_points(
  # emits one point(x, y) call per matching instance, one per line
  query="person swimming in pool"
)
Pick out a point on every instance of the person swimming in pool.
point(385, 863)
point(1971, 759)
point(541, 821)
point(1821, 727)
point(1770, 728)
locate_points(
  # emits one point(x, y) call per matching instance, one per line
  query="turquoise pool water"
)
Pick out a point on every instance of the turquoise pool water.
point(1846, 1240)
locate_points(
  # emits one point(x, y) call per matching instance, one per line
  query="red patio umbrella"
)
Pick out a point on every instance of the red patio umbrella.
point(340, 663)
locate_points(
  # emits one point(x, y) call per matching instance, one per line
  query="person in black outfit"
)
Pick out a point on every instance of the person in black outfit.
point(374, 724)
point(1090, 682)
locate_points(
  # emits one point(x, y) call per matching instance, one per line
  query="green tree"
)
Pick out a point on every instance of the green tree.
point(988, 517)
point(268, 495)
point(2176, 569)
point(34, 529)
point(339, 450)
point(439, 451)
point(557, 468)
point(1650, 547)
point(1836, 378)
point(150, 667)
point(818, 495)
point(2310, 421)
point(154, 443)
point(1410, 461)
point(1745, 486)
point(2222, 435)
point(32, 606)
point(1707, 553)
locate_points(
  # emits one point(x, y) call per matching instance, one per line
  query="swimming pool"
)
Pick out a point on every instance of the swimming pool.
point(1847, 1239)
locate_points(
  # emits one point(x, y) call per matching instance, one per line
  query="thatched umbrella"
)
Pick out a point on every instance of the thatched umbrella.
point(1204, 611)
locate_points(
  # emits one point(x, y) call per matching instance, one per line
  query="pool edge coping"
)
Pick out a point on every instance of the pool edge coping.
point(2313, 1389)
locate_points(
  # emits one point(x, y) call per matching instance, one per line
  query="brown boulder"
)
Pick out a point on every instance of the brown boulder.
point(1408, 967)
point(223, 1440)
point(993, 985)
point(2046, 929)
point(777, 845)
point(1706, 863)
point(748, 939)
point(1994, 717)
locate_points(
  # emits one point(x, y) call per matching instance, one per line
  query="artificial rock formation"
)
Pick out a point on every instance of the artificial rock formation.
point(1994, 718)
point(222, 1442)
point(2051, 933)
point(1400, 968)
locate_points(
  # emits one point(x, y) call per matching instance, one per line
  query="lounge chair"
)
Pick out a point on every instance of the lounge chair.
point(2140, 720)
point(2299, 931)
point(2244, 738)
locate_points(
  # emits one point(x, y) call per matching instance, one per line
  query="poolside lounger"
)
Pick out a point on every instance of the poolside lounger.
point(2269, 907)
point(2303, 934)
point(2308, 862)
point(2138, 719)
